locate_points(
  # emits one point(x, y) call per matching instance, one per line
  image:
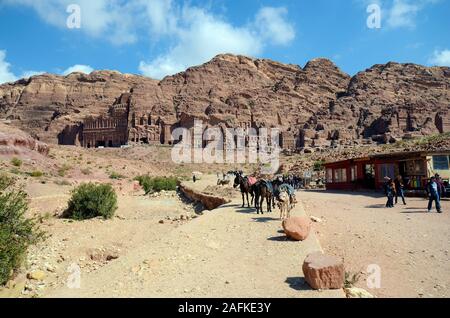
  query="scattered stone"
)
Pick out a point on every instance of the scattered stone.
point(297, 228)
point(36, 275)
point(316, 219)
point(355, 292)
point(49, 268)
point(111, 257)
point(323, 271)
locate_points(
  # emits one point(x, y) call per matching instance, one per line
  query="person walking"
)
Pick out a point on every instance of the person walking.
point(399, 187)
point(441, 185)
point(434, 193)
point(389, 189)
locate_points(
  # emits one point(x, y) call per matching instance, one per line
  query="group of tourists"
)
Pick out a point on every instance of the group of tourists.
point(395, 188)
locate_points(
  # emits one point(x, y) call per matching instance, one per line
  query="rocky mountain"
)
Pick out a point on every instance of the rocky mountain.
point(319, 104)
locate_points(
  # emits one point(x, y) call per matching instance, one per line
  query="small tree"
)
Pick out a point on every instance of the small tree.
point(90, 200)
point(17, 232)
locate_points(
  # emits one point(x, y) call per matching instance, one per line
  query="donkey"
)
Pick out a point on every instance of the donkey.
point(284, 203)
point(263, 190)
point(245, 188)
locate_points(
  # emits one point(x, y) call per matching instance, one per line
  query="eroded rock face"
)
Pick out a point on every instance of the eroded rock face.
point(297, 228)
point(323, 271)
point(319, 103)
point(16, 142)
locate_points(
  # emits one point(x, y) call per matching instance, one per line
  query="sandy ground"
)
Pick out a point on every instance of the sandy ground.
point(94, 244)
point(410, 246)
point(229, 252)
point(122, 257)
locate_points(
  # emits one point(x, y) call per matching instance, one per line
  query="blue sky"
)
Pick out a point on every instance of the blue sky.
point(161, 37)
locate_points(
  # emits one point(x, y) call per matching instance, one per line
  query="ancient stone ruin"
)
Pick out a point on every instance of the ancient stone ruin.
point(122, 125)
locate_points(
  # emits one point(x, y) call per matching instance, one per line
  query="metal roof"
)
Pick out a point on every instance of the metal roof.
point(393, 155)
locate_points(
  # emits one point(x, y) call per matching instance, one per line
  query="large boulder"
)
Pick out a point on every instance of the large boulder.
point(323, 271)
point(297, 228)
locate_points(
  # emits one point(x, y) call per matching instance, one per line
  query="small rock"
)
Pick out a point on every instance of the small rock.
point(161, 222)
point(36, 275)
point(316, 219)
point(355, 292)
point(49, 268)
point(111, 257)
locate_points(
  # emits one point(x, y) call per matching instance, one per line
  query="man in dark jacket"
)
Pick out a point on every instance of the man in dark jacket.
point(399, 187)
point(389, 190)
point(434, 191)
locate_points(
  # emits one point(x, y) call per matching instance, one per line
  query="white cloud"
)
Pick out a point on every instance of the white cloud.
point(6, 75)
point(161, 15)
point(5, 72)
point(78, 68)
point(111, 19)
point(273, 26)
point(440, 58)
point(403, 14)
point(399, 13)
point(201, 35)
point(194, 34)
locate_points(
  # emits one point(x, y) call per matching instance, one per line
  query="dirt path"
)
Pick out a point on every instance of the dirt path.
point(229, 252)
point(410, 246)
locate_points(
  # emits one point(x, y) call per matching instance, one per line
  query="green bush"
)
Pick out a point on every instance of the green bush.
point(17, 232)
point(116, 176)
point(15, 171)
point(16, 162)
point(36, 174)
point(318, 165)
point(90, 200)
point(157, 184)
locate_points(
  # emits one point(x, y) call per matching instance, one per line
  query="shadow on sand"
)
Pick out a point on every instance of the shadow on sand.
point(298, 283)
point(415, 211)
point(264, 219)
point(376, 206)
point(282, 238)
point(246, 210)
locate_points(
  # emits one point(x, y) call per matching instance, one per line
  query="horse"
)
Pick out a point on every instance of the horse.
point(245, 188)
point(263, 190)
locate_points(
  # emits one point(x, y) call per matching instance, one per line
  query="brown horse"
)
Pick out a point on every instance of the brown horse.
point(245, 188)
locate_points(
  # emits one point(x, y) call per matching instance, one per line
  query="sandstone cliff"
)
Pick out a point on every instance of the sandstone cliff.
point(15, 142)
point(319, 101)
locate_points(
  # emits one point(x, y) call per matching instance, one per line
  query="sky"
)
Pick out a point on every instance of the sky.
point(156, 38)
